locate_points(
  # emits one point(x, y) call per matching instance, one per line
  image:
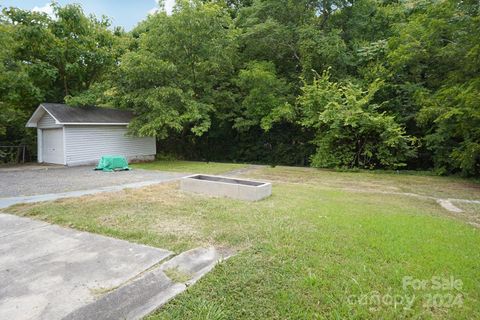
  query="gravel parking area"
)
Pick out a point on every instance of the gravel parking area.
point(28, 182)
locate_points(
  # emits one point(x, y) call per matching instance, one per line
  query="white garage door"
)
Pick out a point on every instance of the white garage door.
point(53, 146)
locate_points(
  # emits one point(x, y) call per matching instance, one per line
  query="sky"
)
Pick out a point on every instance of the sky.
point(124, 13)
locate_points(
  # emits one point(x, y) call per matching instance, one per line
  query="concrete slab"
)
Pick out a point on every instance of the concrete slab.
point(132, 301)
point(197, 262)
point(448, 205)
point(50, 272)
point(47, 272)
point(152, 289)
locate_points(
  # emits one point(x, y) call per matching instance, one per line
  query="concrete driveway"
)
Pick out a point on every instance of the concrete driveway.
point(47, 272)
point(50, 272)
point(49, 183)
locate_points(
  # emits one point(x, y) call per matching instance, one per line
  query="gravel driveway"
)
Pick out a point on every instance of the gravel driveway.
point(30, 182)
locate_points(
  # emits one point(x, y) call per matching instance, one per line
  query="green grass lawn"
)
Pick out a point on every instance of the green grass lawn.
point(324, 245)
point(189, 166)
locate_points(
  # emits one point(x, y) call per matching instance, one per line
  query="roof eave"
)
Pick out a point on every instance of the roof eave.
point(37, 115)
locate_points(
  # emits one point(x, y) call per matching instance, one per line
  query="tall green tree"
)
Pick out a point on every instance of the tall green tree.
point(285, 31)
point(47, 59)
point(264, 96)
point(438, 50)
point(178, 76)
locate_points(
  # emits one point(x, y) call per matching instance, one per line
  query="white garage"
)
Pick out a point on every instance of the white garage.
point(81, 135)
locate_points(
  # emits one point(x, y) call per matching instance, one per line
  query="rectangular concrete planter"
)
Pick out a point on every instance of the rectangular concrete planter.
point(226, 187)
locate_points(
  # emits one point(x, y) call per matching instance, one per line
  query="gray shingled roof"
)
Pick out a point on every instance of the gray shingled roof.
point(67, 114)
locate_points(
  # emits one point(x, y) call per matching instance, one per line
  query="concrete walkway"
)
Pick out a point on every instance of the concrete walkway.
point(50, 272)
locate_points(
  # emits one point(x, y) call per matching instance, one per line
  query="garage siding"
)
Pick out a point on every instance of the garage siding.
point(86, 144)
point(47, 121)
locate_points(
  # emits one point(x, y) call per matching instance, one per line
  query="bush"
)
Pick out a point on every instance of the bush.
point(350, 131)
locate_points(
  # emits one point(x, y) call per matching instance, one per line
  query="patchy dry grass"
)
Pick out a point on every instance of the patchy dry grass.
point(149, 215)
point(310, 251)
point(426, 185)
point(190, 166)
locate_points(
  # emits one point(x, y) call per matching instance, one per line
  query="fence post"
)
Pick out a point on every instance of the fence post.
point(15, 154)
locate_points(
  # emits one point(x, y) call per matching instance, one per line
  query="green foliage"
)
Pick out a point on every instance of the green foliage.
point(238, 80)
point(176, 78)
point(46, 59)
point(438, 48)
point(320, 50)
point(265, 96)
point(454, 116)
point(284, 143)
point(350, 131)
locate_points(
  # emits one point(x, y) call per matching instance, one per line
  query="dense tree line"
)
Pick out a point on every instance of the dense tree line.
point(326, 83)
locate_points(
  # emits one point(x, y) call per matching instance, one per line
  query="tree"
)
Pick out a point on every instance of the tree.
point(350, 132)
point(265, 96)
point(44, 59)
point(239, 79)
point(438, 49)
point(19, 89)
point(322, 50)
point(177, 77)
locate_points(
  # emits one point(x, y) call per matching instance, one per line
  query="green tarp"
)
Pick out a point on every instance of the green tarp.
point(111, 163)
